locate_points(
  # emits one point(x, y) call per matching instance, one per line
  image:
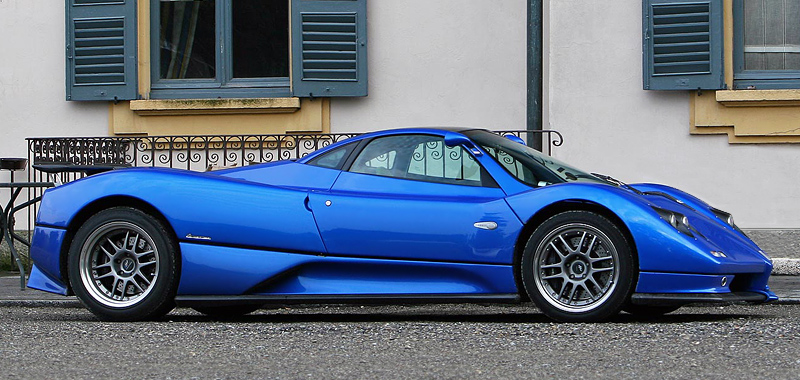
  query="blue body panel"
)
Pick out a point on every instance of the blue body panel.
point(285, 174)
point(245, 271)
point(289, 228)
point(229, 211)
point(414, 220)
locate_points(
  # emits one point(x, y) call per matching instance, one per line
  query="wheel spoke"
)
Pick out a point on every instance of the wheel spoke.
point(563, 241)
point(572, 294)
point(112, 244)
point(106, 265)
point(580, 244)
point(146, 263)
point(594, 282)
point(125, 242)
point(109, 274)
point(138, 255)
point(554, 276)
point(113, 288)
point(135, 243)
point(136, 285)
point(600, 270)
point(563, 288)
point(142, 276)
point(588, 291)
point(110, 256)
point(591, 247)
point(552, 266)
point(604, 258)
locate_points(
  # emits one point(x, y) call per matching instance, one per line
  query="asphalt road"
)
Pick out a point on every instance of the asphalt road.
point(404, 342)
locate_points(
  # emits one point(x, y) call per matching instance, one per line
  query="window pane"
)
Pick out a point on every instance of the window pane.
point(420, 158)
point(186, 39)
point(260, 38)
point(772, 34)
point(335, 158)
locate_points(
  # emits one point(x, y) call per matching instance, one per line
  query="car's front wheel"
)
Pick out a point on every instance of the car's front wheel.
point(578, 266)
point(123, 265)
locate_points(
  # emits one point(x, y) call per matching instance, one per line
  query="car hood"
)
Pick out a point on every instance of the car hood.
point(700, 215)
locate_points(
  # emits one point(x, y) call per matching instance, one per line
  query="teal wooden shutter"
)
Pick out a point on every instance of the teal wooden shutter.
point(101, 50)
point(683, 45)
point(329, 48)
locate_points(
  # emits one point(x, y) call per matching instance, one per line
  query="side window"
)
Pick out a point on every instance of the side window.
point(335, 158)
point(512, 165)
point(421, 158)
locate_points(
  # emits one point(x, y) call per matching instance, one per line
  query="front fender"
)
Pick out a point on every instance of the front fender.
point(660, 247)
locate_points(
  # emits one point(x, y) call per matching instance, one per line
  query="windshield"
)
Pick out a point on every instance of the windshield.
point(527, 164)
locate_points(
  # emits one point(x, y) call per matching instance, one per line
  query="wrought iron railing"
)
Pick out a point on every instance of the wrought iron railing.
point(198, 153)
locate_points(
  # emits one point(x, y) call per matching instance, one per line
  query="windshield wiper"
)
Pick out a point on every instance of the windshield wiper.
point(617, 182)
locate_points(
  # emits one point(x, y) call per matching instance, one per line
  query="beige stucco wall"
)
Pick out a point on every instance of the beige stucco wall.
point(443, 62)
point(32, 80)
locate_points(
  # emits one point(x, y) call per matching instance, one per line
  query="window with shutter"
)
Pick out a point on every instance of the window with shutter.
point(683, 45)
point(101, 50)
point(329, 43)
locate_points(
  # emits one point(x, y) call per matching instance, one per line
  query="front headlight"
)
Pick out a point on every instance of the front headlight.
point(677, 220)
point(727, 218)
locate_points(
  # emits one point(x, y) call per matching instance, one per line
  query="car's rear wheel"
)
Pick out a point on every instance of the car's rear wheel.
point(123, 265)
point(578, 266)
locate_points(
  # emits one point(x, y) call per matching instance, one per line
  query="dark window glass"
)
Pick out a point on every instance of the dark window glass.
point(187, 39)
point(260, 38)
point(335, 158)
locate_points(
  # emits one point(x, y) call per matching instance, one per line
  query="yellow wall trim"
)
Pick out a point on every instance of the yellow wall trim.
point(759, 98)
point(215, 106)
point(310, 116)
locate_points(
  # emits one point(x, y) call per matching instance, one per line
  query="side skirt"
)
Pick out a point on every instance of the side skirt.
point(365, 299)
point(675, 299)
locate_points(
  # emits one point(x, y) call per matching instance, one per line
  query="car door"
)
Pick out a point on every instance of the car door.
point(411, 197)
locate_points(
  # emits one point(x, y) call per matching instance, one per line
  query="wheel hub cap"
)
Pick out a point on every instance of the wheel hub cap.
point(119, 264)
point(576, 267)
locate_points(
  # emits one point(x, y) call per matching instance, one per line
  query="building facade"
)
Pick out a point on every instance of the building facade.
point(619, 81)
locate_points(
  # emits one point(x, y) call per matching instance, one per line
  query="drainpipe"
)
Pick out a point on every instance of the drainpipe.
point(534, 73)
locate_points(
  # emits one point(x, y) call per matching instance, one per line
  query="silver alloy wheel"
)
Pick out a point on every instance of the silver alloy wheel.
point(575, 267)
point(119, 264)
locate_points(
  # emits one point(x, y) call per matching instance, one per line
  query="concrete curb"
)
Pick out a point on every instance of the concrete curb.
point(786, 267)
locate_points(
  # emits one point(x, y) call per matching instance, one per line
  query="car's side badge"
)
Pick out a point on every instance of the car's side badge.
point(190, 236)
point(486, 225)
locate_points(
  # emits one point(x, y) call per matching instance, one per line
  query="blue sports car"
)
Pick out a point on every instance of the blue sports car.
point(400, 216)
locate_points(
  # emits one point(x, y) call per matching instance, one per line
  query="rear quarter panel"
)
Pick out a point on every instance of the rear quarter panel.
point(229, 211)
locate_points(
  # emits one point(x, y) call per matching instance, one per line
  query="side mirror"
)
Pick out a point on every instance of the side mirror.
point(516, 139)
point(456, 139)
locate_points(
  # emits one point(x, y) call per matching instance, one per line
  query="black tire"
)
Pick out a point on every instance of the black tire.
point(578, 266)
point(226, 312)
point(645, 311)
point(123, 266)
